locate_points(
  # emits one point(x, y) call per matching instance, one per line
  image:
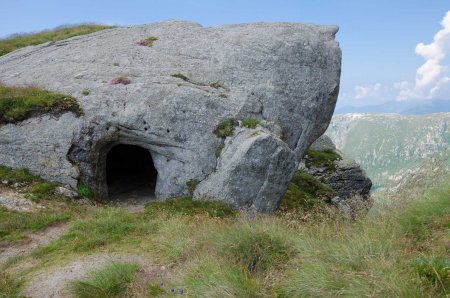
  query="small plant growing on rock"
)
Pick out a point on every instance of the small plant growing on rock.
point(225, 128)
point(84, 191)
point(148, 42)
point(180, 76)
point(192, 185)
point(250, 123)
point(120, 80)
point(215, 85)
point(222, 95)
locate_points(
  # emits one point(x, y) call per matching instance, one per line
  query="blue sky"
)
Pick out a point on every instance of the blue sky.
point(378, 37)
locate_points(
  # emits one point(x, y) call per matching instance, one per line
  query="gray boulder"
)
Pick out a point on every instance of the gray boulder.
point(286, 75)
point(323, 143)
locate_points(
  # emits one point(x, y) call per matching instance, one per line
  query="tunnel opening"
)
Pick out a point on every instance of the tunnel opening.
point(130, 173)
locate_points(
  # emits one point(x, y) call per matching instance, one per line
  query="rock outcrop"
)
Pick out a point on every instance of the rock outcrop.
point(344, 176)
point(167, 97)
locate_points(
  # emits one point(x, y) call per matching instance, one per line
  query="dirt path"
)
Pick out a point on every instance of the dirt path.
point(13, 200)
point(54, 282)
point(35, 240)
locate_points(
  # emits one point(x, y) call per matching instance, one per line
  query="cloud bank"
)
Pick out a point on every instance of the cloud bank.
point(432, 78)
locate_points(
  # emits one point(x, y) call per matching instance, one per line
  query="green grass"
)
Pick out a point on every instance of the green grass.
point(85, 191)
point(34, 188)
point(250, 123)
point(187, 206)
point(14, 224)
point(225, 128)
point(305, 193)
point(20, 103)
point(108, 282)
point(321, 159)
point(16, 42)
point(9, 287)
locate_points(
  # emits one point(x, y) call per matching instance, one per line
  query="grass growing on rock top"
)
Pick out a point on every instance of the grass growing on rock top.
point(20, 103)
point(320, 159)
point(19, 41)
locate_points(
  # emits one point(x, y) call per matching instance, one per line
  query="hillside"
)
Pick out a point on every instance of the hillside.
point(392, 147)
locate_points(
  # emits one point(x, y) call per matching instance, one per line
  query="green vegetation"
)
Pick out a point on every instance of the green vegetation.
point(321, 159)
point(187, 206)
point(209, 250)
point(306, 193)
point(35, 188)
point(14, 224)
point(225, 128)
point(215, 85)
point(9, 287)
point(20, 103)
point(250, 123)
point(192, 185)
point(180, 76)
point(222, 95)
point(85, 191)
point(108, 282)
point(20, 41)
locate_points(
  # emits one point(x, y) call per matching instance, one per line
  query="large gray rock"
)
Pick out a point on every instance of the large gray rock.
point(284, 74)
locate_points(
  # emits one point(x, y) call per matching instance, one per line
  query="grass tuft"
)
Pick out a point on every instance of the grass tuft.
point(225, 128)
point(84, 191)
point(19, 41)
point(250, 123)
point(20, 103)
point(108, 282)
point(148, 42)
point(9, 287)
point(321, 159)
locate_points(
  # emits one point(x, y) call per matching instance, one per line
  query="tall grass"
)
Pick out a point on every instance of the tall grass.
point(19, 41)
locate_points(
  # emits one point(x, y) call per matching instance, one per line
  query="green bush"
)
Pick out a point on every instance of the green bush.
point(20, 103)
point(107, 282)
point(19, 41)
point(84, 191)
point(180, 76)
point(16, 175)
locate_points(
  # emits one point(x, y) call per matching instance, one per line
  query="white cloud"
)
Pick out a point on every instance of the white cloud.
point(367, 91)
point(432, 77)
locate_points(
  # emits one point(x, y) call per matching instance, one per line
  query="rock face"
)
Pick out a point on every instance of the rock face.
point(348, 180)
point(285, 75)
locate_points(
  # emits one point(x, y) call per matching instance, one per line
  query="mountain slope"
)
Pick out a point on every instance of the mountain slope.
point(391, 147)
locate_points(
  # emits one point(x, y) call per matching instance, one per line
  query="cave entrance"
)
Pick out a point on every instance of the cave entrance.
point(130, 173)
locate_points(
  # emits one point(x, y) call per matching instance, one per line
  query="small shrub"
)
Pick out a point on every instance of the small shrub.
point(225, 128)
point(120, 80)
point(215, 85)
point(85, 191)
point(20, 103)
point(180, 76)
point(250, 123)
point(148, 41)
point(192, 185)
point(321, 159)
point(110, 281)
point(16, 175)
point(187, 206)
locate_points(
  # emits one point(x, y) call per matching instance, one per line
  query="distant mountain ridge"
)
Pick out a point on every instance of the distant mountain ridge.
point(392, 147)
point(404, 108)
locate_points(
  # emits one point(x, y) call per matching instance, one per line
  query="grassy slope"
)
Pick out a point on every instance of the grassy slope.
point(16, 42)
point(19, 103)
point(399, 251)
